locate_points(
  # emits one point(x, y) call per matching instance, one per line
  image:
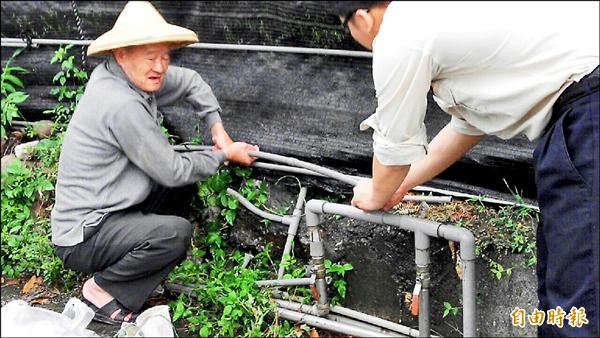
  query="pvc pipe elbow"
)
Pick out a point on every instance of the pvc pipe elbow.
point(467, 244)
point(314, 210)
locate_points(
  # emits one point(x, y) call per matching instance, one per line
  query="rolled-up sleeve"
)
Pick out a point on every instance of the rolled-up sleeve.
point(186, 84)
point(402, 79)
point(464, 127)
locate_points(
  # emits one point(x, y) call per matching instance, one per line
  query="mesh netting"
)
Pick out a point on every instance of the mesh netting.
point(276, 23)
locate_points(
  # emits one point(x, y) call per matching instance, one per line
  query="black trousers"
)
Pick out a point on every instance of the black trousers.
point(133, 250)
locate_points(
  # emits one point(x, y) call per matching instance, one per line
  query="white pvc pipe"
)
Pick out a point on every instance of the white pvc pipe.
point(287, 282)
point(16, 42)
point(330, 325)
point(374, 320)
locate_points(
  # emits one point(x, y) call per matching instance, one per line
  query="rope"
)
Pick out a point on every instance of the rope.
point(26, 36)
point(81, 32)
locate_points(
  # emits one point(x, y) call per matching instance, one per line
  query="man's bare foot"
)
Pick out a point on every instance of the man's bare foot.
point(97, 296)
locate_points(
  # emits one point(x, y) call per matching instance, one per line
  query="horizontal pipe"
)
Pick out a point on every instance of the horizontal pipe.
point(257, 211)
point(286, 282)
point(471, 196)
point(374, 320)
point(353, 179)
point(329, 325)
point(16, 42)
point(304, 308)
point(279, 167)
point(417, 188)
point(302, 164)
point(358, 323)
point(428, 199)
point(430, 228)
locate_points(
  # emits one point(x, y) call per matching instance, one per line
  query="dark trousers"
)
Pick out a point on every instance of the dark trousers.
point(566, 165)
point(132, 251)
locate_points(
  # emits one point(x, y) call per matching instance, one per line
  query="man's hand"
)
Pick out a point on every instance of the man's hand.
point(220, 138)
point(364, 198)
point(238, 152)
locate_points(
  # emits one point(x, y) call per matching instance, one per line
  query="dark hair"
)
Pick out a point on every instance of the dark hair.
point(343, 8)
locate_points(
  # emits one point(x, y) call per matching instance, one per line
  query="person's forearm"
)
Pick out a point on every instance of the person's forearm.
point(386, 179)
point(217, 129)
point(447, 147)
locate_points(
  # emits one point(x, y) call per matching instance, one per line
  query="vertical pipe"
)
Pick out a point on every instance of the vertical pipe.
point(469, 285)
point(469, 297)
point(292, 230)
point(422, 261)
point(317, 253)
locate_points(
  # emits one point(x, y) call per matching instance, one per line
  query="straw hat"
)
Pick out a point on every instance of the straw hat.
point(138, 24)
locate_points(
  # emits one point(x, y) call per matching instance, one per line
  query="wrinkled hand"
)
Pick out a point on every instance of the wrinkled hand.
point(238, 152)
point(396, 198)
point(363, 196)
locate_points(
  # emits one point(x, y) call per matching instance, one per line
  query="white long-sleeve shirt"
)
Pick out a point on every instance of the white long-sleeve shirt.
point(496, 67)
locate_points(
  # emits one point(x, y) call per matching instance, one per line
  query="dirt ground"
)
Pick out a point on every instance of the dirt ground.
point(51, 298)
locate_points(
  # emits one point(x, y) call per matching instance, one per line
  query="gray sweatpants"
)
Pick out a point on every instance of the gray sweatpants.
point(132, 251)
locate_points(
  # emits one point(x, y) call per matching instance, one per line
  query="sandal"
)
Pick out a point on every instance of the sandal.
point(103, 314)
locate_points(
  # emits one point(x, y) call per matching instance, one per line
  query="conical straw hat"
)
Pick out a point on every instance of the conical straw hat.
point(138, 24)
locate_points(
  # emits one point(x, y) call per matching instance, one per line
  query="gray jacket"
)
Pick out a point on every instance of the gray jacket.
point(114, 150)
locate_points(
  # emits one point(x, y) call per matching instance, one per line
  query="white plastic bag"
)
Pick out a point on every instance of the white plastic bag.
point(154, 322)
point(21, 320)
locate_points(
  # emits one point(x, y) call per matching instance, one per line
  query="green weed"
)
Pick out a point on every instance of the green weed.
point(11, 97)
point(71, 85)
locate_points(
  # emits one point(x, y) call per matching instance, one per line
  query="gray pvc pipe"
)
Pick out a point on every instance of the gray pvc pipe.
point(292, 230)
point(301, 167)
point(429, 199)
point(302, 164)
point(354, 322)
point(261, 213)
point(329, 325)
point(299, 307)
point(286, 282)
point(272, 166)
point(466, 239)
point(374, 320)
point(422, 261)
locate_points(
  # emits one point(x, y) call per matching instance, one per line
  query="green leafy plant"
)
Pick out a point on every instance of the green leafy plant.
point(337, 270)
point(498, 270)
point(232, 303)
point(27, 194)
point(508, 228)
point(11, 97)
point(450, 309)
point(71, 85)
